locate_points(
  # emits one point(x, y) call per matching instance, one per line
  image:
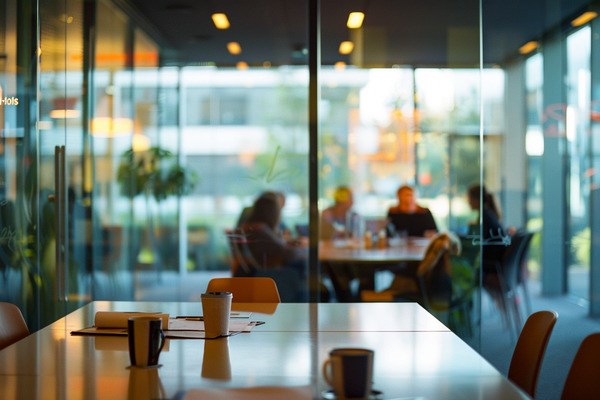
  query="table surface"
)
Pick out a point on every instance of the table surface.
point(348, 251)
point(415, 356)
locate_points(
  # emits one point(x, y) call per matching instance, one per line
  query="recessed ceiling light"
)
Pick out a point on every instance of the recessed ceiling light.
point(355, 20)
point(584, 18)
point(528, 47)
point(220, 20)
point(234, 48)
point(346, 47)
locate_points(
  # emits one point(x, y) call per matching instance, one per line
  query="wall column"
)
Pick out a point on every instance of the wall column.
point(595, 184)
point(514, 155)
point(554, 172)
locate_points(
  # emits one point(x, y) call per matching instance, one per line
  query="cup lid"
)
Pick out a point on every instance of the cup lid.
point(217, 294)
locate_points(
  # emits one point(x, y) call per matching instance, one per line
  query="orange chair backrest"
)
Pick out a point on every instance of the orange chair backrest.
point(12, 325)
point(247, 290)
point(530, 349)
point(583, 380)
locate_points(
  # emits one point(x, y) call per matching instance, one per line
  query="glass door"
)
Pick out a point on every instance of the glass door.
point(578, 81)
point(63, 211)
point(17, 158)
point(45, 219)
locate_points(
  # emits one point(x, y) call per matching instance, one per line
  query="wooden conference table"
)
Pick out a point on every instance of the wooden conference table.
point(344, 260)
point(415, 356)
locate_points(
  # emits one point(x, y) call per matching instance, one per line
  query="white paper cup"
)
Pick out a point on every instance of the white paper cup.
point(215, 362)
point(216, 307)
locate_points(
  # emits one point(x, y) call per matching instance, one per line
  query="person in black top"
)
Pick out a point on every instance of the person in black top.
point(491, 232)
point(407, 216)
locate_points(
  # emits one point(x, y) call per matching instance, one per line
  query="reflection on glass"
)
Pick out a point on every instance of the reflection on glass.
point(145, 383)
point(215, 360)
point(578, 142)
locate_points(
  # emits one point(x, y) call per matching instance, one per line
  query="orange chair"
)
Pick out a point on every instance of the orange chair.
point(247, 290)
point(530, 349)
point(12, 325)
point(583, 380)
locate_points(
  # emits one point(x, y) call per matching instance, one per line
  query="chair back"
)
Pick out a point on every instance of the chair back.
point(522, 267)
point(530, 349)
point(247, 289)
point(583, 380)
point(510, 265)
point(12, 325)
point(242, 261)
point(434, 271)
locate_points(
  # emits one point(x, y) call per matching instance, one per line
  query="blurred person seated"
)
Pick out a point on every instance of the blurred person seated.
point(431, 282)
point(493, 235)
point(272, 255)
point(337, 221)
point(282, 228)
point(408, 218)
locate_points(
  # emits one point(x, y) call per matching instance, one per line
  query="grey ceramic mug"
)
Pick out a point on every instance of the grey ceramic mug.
point(350, 372)
point(146, 340)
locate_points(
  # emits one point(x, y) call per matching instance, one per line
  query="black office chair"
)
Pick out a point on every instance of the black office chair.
point(502, 284)
point(523, 276)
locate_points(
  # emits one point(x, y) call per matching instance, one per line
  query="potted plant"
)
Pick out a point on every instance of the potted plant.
point(156, 175)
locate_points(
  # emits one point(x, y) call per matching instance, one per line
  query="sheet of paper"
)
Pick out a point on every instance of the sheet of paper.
point(181, 324)
point(179, 328)
point(92, 330)
point(232, 315)
point(118, 319)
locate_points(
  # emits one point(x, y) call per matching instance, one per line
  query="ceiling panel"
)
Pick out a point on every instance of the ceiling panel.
point(395, 32)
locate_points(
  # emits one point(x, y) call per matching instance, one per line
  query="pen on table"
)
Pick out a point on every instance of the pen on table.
point(190, 317)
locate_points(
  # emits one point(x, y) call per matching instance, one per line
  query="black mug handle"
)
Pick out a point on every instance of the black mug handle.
point(156, 352)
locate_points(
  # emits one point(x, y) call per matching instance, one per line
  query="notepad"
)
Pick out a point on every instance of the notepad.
point(186, 329)
point(114, 323)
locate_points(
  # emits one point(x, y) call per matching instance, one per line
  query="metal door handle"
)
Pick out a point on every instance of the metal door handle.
point(59, 208)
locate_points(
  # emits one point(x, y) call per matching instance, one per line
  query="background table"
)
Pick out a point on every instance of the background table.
point(336, 251)
point(345, 260)
point(415, 356)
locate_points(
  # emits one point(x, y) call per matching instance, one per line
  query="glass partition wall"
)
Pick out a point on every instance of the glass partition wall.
point(130, 152)
point(395, 114)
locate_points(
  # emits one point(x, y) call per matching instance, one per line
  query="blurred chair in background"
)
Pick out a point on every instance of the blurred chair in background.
point(530, 349)
point(583, 380)
point(247, 289)
point(12, 325)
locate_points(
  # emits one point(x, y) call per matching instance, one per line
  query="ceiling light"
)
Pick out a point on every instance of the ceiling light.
point(355, 20)
point(111, 127)
point(234, 48)
point(220, 20)
point(241, 65)
point(64, 114)
point(528, 47)
point(140, 143)
point(346, 47)
point(584, 18)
